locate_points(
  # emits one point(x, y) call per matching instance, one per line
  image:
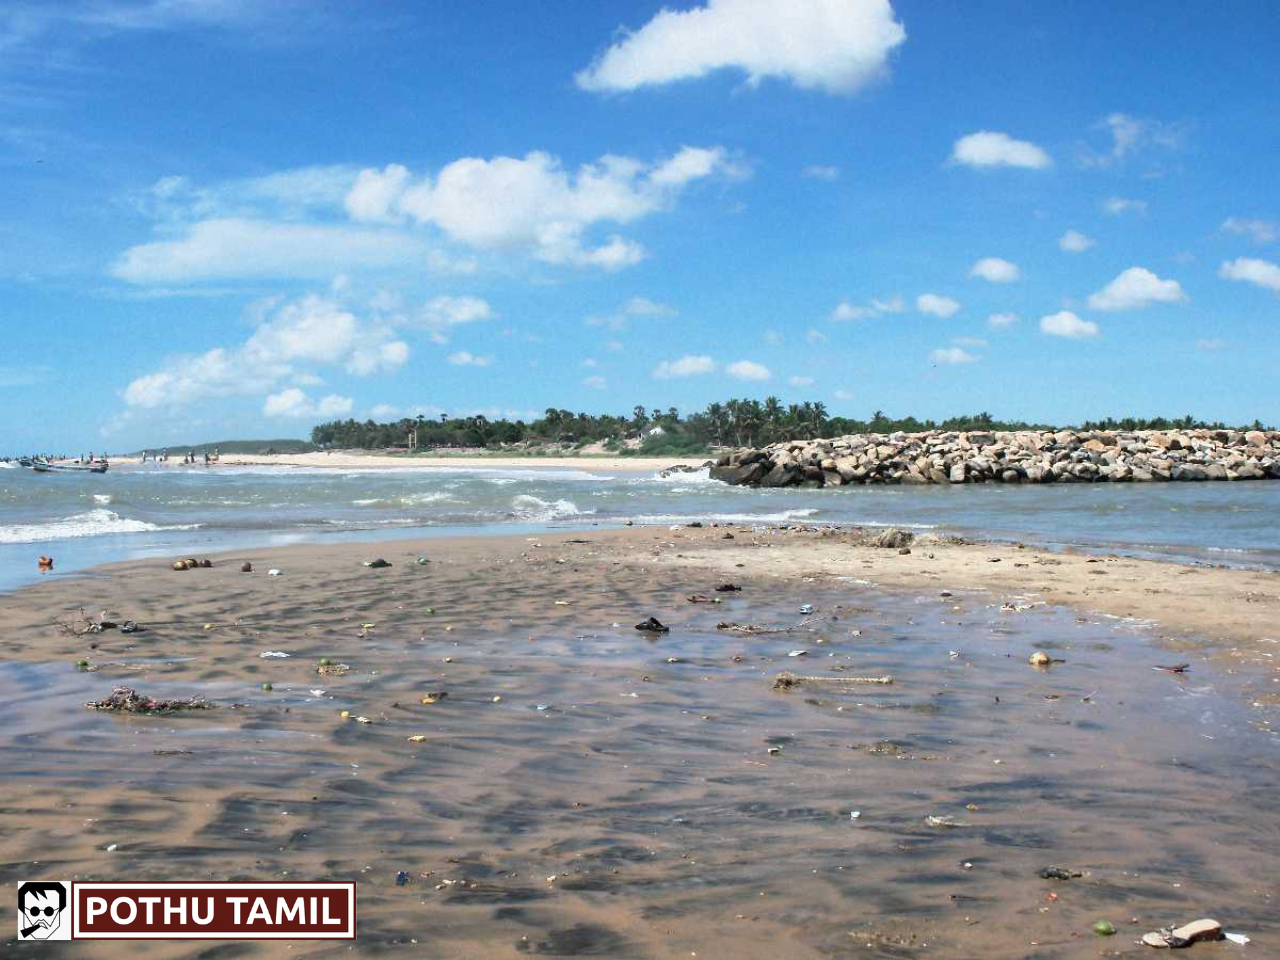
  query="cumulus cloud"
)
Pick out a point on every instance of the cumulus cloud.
point(1117, 206)
point(534, 205)
point(832, 45)
point(995, 270)
point(1134, 289)
point(1073, 241)
point(298, 405)
point(998, 321)
point(937, 305)
point(843, 395)
point(595, 382)
point(311, 331)
point(800, 381)
point(1260, 231)
point(990, 149)
point(1067, 324)
point(635, 308)
point(1260, 272)
point(845, 311)
point(748, 370)
point(951, 355)
point(686, 366)
point(465, 358)
point(247, 249)
point(1210, 344)
point(815, 336)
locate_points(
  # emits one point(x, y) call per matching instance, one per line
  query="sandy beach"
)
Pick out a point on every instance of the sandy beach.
point(588, 789)
point(354, 460)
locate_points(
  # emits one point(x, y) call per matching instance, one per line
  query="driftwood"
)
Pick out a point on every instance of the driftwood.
point(756, 629)
point(788, 681)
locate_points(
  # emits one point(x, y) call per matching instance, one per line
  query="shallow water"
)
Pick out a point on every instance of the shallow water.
point(645, 788)
point(153, 511)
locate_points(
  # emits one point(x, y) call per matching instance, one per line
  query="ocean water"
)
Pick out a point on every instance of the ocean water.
point(162, 511)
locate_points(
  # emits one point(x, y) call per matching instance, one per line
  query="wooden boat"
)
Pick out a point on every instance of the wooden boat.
point(44, 466)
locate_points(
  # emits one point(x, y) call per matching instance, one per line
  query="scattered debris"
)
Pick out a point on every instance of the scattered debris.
point(806, 609)
point(273, 655)
point(893, 539)
point(1185, 935)
point(131, 626)
point(401, 878)
point(246, 567)
point(1057, 873)
point(699, 598)
point(946, 822)
point(418, 738)
point(45, 563)
point(1176, 668)
point(728, 588)
point(798, 653)
point(377, 564)
point(274, 572)
point(1042, 659)
point(1104, 928)
point(434, 697)
point(128, 700)
point(653, 625)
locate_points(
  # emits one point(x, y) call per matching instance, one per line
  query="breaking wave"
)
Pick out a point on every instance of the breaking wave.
point(534, 509)
point(95, 523)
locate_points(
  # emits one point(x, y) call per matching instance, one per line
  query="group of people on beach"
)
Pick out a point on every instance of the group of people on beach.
point(188, 459)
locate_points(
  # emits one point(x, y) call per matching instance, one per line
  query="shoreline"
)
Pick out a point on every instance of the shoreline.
point(552, 781)
point(348, 460)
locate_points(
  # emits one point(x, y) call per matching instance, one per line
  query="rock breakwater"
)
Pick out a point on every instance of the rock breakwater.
point(1024, 456)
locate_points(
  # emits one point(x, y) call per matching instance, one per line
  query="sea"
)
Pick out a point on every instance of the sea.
point(169, 510)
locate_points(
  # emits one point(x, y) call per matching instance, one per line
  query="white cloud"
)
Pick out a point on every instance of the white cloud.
point(815, 336)
point(636, 307)
point(989, 149)
point(1210, 344)
point(998, 321)
point(1260, 272)
point(936, 305)
point(1134, 289)
point(533, 205)
point(817, 171)
point(234, 248)
point(995, 270)
point(748, 370)
point(1261, 231)
point(686, 366)
point(298, 405)
point(832, 45)
point(1067, 324)
point(1129, 135)
point(799, 381)
point(845, 310)
point(595, 382)
point(310, 331)
point(1073, 241)
point(441, 314)
point(1120, 205)
point(843, 395)
point(951, 355)
point(464, 358)
point(968, 341)
point(384, 411)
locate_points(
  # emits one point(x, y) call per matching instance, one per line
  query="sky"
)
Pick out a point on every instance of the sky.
point(227, 219)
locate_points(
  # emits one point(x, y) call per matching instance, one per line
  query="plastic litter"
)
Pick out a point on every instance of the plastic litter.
point(274, 572)
point(652, 625)
point(273, 655)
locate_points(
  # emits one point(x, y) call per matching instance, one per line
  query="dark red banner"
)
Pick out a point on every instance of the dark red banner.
point(214, 911)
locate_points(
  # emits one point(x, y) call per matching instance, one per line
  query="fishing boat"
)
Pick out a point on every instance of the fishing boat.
point(44, 466)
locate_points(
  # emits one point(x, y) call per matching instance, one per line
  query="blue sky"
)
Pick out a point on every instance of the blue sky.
point(227, 218)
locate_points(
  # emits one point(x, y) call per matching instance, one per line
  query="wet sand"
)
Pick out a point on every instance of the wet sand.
point(612, 802)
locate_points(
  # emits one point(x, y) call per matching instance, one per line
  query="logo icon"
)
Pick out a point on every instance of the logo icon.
point(41, 904)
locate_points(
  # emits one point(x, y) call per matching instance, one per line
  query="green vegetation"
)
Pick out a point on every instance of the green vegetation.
point(666, 433)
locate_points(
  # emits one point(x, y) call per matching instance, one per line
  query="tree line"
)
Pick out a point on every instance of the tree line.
point(735, 423)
